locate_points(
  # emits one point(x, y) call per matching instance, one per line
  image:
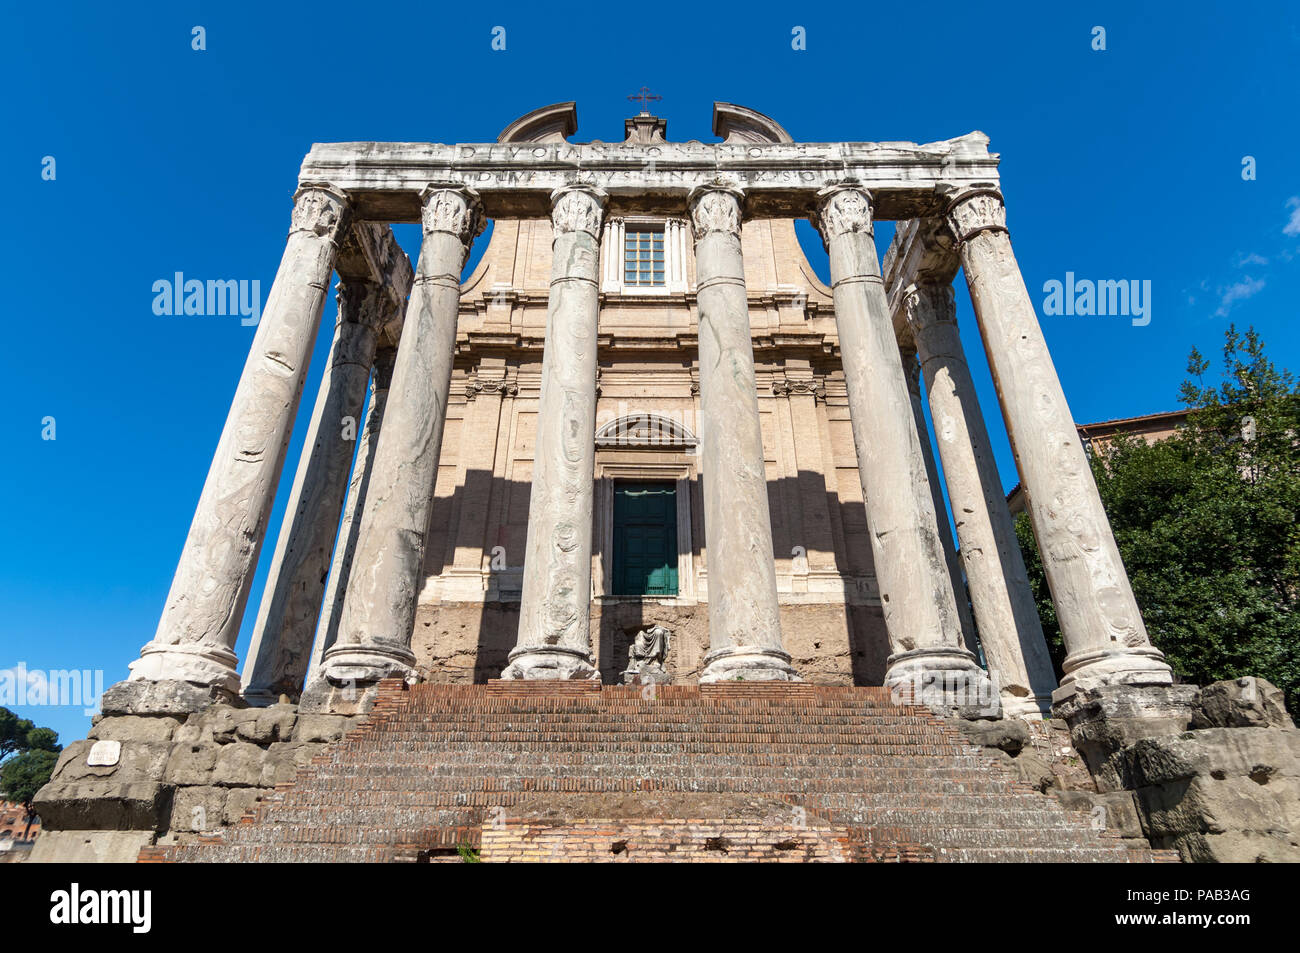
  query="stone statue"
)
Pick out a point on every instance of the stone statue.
point(646, 656)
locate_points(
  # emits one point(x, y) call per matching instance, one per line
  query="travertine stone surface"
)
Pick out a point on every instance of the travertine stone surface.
point(1009, 627)
point(912, 371)
point(201, 619)
point(555, 609)
point(345, 546)
point(379, 607)
point(915, 587)
point(286, 620)
point(1103, 630)
point(744, 621)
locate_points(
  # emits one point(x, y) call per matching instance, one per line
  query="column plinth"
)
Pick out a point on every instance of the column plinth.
point(1104, 634)
point(744, 618)
point(554, 639)
point(196, 635)
point(929, 659)
point(1009, 626)
point(374, 634)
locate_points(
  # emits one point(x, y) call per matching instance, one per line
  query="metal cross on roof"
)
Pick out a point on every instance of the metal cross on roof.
point(644, 96)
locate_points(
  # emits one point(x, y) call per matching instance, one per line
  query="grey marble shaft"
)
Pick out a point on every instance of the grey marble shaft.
point(1009, 627)
point(555, 606)
point(286, 621)
point(374, 636)
point(1105, 637)
point(346, 545)
point(744, 620)
point(200, 622)
point(916, 591)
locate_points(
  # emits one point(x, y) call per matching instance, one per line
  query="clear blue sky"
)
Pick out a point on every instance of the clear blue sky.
point(1117, 164)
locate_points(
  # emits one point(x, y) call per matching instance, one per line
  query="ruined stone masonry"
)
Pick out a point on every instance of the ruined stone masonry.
point(643, 443)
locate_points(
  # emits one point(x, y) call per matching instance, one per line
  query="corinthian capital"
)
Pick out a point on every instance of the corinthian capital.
point(364, 302)
point(975, 211)
point(927, 303)
point(320, 209)
point(842, 209)
point(715, 208)
point(578, 208)
point(455, 210)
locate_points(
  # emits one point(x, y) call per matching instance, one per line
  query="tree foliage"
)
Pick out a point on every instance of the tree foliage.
point(27, 758)
point(1206, 522)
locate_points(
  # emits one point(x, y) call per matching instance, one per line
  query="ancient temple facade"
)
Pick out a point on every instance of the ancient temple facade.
point(643, 409)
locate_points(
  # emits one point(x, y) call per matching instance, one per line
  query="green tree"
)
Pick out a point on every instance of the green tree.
point(1207, 524)
point(27, 758)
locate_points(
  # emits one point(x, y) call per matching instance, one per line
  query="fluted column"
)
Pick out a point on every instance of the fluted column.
point(912, 371)
point(1105, 637)
point(200, 622)
point(744, 620)
point(346, 545)
point(555, 606)
point(916, 590)
point(286, 621)
point(374, 636)
point(1009, 627)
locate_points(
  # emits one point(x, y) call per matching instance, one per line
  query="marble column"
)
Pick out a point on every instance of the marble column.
point(374, 635)
point(346, 546)
point(912, 371)
point(744, 620)
point(196, 635)
point(286, 619)
point(1009, 628)
point(1105, 638)
point(916, 592)
point(555, 607)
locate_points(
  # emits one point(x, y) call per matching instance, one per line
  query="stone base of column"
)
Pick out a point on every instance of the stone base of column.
point(1142, 665)
point(1026, 707)
point(139, 696)
point(348, 680)
point(549, 663)
point(195, 663)
point(263, 698)
point(943, 678)
point(744, 664)
point(1106, 719)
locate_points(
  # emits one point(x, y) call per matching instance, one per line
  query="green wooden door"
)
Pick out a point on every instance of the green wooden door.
point(645, 539)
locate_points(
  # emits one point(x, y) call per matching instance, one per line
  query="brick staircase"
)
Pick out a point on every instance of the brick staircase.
point(574, 771)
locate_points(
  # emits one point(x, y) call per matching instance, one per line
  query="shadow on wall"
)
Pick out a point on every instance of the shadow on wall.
point(463, 641)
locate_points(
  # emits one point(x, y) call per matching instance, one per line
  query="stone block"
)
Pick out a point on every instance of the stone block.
point(89, 847)
point(313, 727)
point(239, 765)
point(1007, 734)
point(242, 800)
point(1207, 805)
point(1114, 811)
point(1106, 719)
point(271, 724)
point(199, 808)
point(136, 761)
point(1260, 753)
point(1241, 847)
point(103, 804)
point(150, 728)
point(283, 760)
point(1242, 703)
point(191, 763)
point(144, 697)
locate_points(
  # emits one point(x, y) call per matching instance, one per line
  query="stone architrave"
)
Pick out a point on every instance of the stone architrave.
point(744, 620)
point(1009, 628)
point(196, 635)
point(286, 621)
point(1105, 638)
point(346, 545)
point(916, 591)
point(374, 636)
point(555, 606)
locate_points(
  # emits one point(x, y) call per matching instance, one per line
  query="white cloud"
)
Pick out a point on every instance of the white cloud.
point(1237, 291)
point(1292, 227)
point(1251, 259)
